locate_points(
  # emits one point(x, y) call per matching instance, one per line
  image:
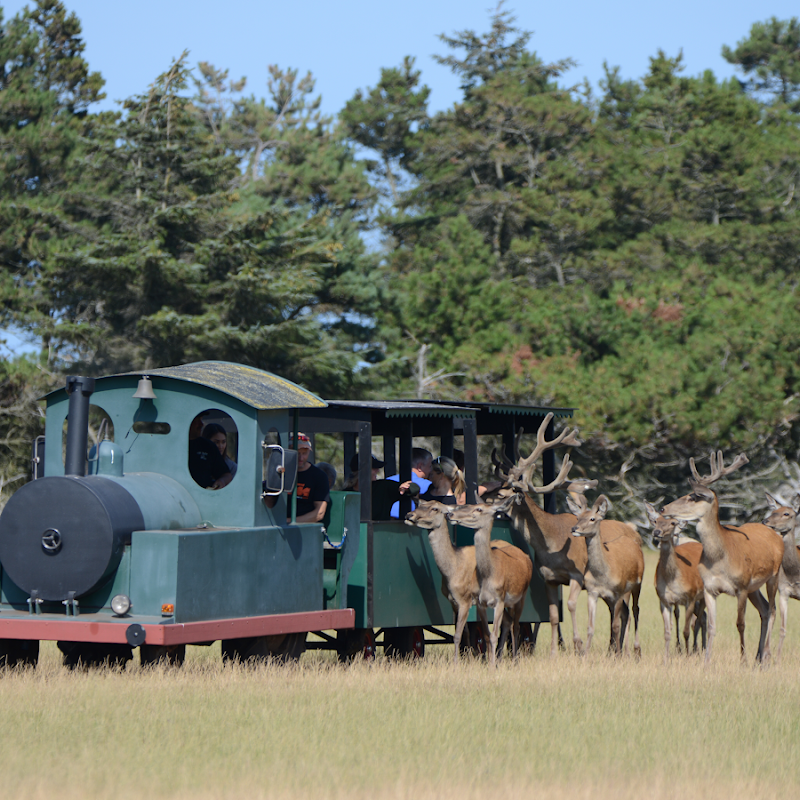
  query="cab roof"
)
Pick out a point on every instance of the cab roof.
point(256, 388)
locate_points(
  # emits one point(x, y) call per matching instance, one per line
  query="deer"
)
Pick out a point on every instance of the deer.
point(677, 581)
point(504, 574)
point(736, 560)
point(782, 520)
point(457, 565)
point(560, 557)
point(610, 573)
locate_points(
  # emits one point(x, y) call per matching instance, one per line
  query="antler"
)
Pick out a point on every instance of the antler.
point(499, 466)
point(566, 437)
point(560, 480)
point(717, 469)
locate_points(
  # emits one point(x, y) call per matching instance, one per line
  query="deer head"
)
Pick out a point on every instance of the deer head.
point(589, 519)
point(429, 514)
point(664, 529)
point(783, 518)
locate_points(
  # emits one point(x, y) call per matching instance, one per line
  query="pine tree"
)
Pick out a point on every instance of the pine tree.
point(771, 57)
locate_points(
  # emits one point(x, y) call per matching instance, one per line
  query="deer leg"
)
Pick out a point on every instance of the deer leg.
point(741, 602)
point(616, 627)
point(637, 648)
point(552, 602)
point(701, 623)
point(592, 605)
point(517, 614)
point(666, 615)
point(611, 625)
point(624, 617)
point(505, 630)
point(461, 621)
point(676, 609)
point(572, 605)
point(625, 633)
point(498, 621)
point(784, 603)
point(688, 619)
point(711, 606)
point(758, 600)
point(483, 619)
point(772, 590)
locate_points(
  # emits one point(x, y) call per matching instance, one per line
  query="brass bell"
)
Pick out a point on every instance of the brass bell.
point(145, 389)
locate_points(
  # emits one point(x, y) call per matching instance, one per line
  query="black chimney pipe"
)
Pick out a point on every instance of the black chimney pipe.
point(79, 389)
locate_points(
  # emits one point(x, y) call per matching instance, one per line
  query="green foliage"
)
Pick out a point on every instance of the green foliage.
point(771, 56)
point(386, 121)
point(634, 256)
point(22, 381)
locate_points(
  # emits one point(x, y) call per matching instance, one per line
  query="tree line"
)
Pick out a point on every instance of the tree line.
point(631, 251)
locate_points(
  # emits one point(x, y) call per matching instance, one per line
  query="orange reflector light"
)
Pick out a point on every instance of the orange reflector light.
point(168, 608)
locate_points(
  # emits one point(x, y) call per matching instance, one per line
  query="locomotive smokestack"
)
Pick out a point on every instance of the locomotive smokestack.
point(79, 390)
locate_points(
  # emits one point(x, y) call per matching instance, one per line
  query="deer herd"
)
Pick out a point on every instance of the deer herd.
point(584, 550)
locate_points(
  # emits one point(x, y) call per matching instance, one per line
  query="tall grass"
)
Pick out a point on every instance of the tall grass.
point(591, 727)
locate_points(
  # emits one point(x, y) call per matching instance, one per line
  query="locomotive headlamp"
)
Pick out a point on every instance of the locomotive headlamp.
point(120, 604)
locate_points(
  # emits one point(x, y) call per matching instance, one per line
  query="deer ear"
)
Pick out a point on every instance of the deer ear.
point(772, 502)
point(652, 514)
point(601, 505)
point(796, 503)
point(576, 503)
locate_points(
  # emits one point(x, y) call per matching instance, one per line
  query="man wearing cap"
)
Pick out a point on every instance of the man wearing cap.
point(313, 492)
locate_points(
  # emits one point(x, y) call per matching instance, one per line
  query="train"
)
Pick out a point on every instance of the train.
point(115, 548)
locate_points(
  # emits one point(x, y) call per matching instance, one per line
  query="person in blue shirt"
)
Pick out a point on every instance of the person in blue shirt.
point(421, 464)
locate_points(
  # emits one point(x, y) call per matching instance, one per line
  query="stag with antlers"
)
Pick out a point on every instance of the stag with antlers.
point(736, 560)
point(560, 557)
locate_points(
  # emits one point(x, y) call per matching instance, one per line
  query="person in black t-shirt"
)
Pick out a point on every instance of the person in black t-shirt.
point(313, 490)
point(206, 465)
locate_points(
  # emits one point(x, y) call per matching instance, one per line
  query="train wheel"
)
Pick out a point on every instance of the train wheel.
point(168, 655)
point(283, 648)
point(18, 652)
point(404, 642)
point(476, 638)
point(352, 643)
point(87, 654)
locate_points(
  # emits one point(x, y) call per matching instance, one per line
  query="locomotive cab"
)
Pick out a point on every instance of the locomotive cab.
point(140, 527)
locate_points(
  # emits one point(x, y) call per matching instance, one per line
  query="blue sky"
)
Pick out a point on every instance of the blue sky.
point(346, 43)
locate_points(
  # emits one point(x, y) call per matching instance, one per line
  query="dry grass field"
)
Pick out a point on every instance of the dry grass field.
point(592, 727)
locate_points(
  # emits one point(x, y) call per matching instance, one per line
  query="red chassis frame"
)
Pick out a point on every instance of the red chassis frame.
point(92, 630)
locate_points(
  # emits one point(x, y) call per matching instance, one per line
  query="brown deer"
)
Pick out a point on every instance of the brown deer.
point(736, 560)
point(504, 574)
point(782, 520)
point(560, 557)
point(677, 580)
point(610, 574)
point(457, 565)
